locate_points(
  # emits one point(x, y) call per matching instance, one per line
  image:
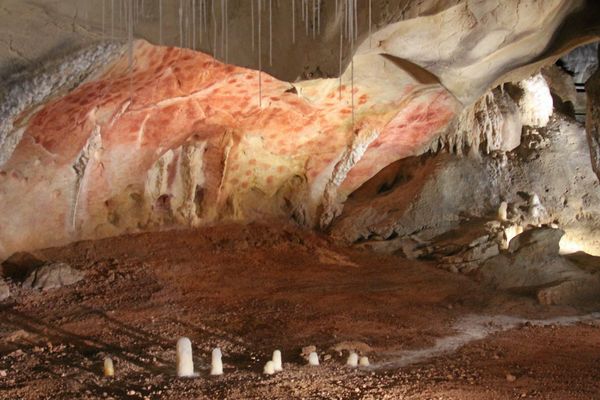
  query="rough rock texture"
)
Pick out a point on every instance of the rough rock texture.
point(533, 264)
point(53, 275)
point(171, 137)
point(162, 144)
point(432, 195)
point(593, 119)
point(4, 290)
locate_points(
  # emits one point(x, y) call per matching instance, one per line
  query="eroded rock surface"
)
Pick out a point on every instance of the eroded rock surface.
point(533, 264)
point(52, 275)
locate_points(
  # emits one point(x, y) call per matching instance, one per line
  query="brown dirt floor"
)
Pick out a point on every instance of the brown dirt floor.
point(252, 289)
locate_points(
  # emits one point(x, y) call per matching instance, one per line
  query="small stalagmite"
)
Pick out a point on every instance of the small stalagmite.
point(216, 365)
point(352, 360)
point(269, 368)
point(277, 361)
point(109, 368)
point(185, 362)
point(313, 359)
point(364, 361)
point(502, 211)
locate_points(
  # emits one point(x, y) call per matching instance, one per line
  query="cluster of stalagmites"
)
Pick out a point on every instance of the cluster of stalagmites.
point(185, 361)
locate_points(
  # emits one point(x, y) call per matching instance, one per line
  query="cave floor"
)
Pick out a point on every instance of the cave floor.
point(252, 289)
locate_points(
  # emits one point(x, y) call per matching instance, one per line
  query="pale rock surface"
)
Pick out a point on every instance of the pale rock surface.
point(534, 264)
point(53, 275)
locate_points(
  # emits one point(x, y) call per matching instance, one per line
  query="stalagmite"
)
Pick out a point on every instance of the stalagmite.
point(313, 359)
point(502, 211)
point(185, 362)
point(364, 361)
point(269, 368)
point(352, 360)
point(109, 368)
point(216, 365)
point(277, 361)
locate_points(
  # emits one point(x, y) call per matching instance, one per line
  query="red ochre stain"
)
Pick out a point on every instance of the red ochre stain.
point(281, 169)
point(252, 162)
point(270, 179)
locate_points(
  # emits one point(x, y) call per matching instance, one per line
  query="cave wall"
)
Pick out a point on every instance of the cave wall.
point(118, 139)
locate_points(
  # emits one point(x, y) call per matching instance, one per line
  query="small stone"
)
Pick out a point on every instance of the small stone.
point(511, 378)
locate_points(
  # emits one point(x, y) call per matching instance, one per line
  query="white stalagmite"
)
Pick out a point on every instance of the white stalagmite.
point(352, 360)
point(277, 361)
point(109, 368)
point(185, 362)
point(216, 365)
point(364, 361)
point(502, 211)
point(269, 368)
point(313, 359)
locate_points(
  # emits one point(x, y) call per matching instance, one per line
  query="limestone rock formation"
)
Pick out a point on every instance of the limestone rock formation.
point(124, 139)
point(533, 264)
point(166, 145)
point(593, 120)
point(52, 275)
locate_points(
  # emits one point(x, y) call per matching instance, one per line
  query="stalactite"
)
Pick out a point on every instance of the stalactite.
point(314, 19)
point(259, 55)
point(130, 45)
point(194, 24)
point(103, 18)
point(370, 24)
point(319, 17)
point(341, 57)
point(306, 15)
point(112, 19)
point(180, 23)
point(160, 22)
point(214, 21)
point(226, 30)
point(271, 32)
point(252, 18)
point(293, 21)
